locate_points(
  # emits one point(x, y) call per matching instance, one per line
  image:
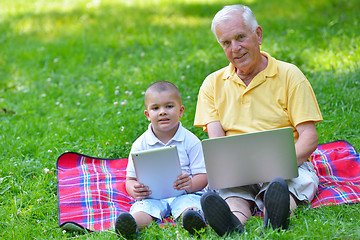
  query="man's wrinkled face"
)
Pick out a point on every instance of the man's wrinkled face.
point(241, 45)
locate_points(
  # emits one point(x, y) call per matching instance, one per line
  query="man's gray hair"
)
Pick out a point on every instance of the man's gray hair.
point(230, 11)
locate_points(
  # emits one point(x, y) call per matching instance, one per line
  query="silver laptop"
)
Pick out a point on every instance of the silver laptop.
point(250, 158)
point(158, 169)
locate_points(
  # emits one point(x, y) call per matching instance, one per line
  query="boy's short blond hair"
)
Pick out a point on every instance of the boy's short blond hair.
point(161, 86)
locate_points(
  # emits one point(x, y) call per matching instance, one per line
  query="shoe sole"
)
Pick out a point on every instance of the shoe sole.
point(277, 204)
point(218, 214)
point(193, 222)
point(126, 225)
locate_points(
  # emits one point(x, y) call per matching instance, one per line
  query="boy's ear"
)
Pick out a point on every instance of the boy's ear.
point(147, 114)
point(182, 109)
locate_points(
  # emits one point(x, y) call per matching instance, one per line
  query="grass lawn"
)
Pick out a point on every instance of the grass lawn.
point(72, 76)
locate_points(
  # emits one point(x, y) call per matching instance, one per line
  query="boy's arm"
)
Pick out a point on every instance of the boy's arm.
point(199, 182)
point(136, 189)
point(190, 185)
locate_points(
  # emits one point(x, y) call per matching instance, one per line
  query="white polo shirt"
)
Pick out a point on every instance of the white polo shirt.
point(188, 146)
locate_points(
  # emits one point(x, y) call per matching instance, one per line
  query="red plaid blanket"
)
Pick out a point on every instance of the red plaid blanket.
point(91, 191)
point(338, 167)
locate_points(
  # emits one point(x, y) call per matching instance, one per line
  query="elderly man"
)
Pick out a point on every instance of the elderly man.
point(256, 92)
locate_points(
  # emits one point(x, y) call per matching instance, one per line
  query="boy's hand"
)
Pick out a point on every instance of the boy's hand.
point(140, 191)
point(183, 182)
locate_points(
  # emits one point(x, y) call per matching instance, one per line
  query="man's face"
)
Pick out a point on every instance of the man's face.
point(241, 45)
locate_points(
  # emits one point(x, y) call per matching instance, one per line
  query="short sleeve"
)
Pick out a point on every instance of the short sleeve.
point(130, 169)
point(205, 109)
point(302, 104)
point(197, 162)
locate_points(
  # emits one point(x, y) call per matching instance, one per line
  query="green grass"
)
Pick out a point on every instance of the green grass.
point(72, 75)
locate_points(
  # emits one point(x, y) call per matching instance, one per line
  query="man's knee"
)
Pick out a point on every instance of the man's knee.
point(240, 207)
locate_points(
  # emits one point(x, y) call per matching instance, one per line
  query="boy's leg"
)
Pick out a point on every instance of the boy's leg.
point(126, 225)
point(140, 216)
point(193, 220)
point(188, 206)
point(147, 209)
point(142, 219)
point(184, 202)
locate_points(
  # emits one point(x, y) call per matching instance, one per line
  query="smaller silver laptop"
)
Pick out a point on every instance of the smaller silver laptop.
point(250, 158)
point(158, 169)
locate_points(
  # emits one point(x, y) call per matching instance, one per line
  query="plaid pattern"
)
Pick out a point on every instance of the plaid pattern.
point(338, 167)
point(91, 191)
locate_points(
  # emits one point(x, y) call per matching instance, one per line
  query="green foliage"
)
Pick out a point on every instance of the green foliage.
point(72, 76)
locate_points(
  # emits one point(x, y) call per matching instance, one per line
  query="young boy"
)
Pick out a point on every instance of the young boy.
point(163, 109)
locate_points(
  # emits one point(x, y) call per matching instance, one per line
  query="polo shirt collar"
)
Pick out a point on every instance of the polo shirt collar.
point(152, 139)
point(271, 68)
point(268, 72)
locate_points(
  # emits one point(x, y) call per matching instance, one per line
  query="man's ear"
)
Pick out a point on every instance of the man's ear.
point(147, 114)
point(182, 109)
point(258, 32)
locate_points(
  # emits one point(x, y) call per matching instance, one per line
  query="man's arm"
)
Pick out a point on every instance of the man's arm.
point(215, 130)
point(307, 141)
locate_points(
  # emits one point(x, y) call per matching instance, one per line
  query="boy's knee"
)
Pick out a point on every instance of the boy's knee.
point(142, 219)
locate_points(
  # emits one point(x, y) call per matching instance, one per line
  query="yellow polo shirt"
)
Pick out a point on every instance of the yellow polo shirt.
point(279, 96)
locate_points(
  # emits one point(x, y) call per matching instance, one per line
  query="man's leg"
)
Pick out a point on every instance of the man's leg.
point(240, 207)
point(219, 215)
point(277, 204)
point(293, 204)
point(302, 189)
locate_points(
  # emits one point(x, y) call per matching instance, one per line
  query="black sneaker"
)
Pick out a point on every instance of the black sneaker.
point(277, 204)
point(126, 226)
point(218, 214)
point(193, 221)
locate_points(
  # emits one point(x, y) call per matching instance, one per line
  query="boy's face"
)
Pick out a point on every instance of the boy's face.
point(163, 109)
